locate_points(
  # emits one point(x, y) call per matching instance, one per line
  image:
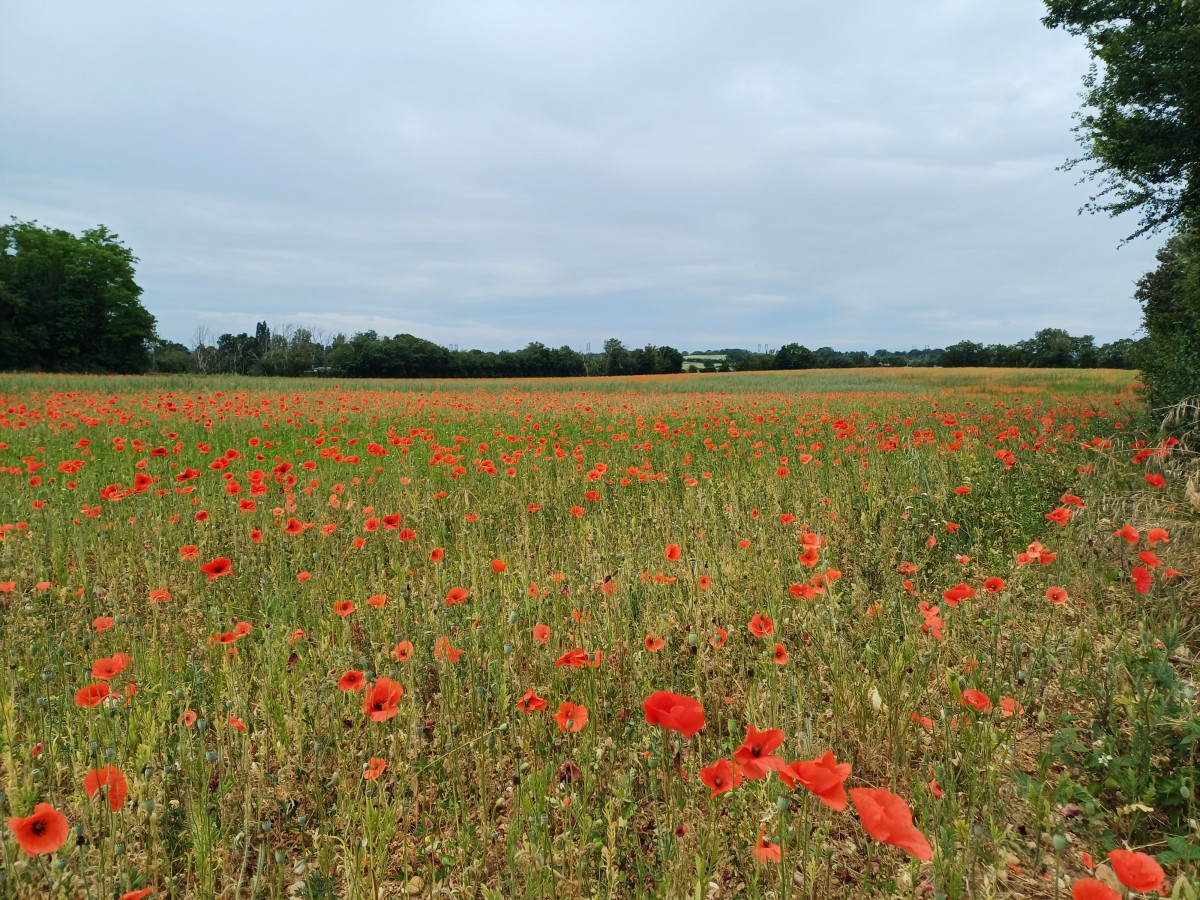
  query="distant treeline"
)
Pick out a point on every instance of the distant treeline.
point(296, 352)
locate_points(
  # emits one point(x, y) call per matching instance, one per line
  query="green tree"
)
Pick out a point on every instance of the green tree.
point(1140, 130)
point(793, 356)
point(1169, 356)
point(70, 304)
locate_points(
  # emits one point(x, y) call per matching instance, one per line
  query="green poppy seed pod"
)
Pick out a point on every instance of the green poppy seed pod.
point(783, 804)
point(109, 752)
point(118, 848)
point(201, 724)
point(46, 676)
point(693, 639)
point(508, 649)
point(210, 756)
point(280, 856)
point(93, 746)
point(148, 805)
point(514, 617)
point(1059, 841)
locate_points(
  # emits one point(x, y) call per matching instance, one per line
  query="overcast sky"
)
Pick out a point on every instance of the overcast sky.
point(862, 174)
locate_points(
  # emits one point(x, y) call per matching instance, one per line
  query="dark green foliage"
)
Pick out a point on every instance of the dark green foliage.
point(1170, 296)
point(70, 304)
point(1140, 130)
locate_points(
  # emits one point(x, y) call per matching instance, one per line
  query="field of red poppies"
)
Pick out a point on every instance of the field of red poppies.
point(919, 634)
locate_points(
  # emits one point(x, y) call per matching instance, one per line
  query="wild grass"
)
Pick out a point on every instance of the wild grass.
point(481, 799)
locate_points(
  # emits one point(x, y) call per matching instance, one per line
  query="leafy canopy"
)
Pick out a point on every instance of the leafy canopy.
point(1140, 128)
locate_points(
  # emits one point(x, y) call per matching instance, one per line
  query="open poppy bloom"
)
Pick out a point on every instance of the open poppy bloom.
point(674, 712)
point(379, 702)
point(456, 595)
point(823, 777)
point(531, 702)
point(114, 778)
point(764, 849)
point(222, 565)
point(374, 769)
point(109, 666)
point(719, 638)
point(761, 625)
point(958, 593)
point(571, 717)
point(43, 832)
point(1137, 871)
point(977, 700)
point(1093, 889)
point(721, 776)
point(654, 644)
point(994, 585)
point(1142, 579)
point(887, 818)
point(541, 633)
point(92, 695)
point(672, 552)
point(755, 757)
point(352, 681)
point(403, 651)
point(1056, 595)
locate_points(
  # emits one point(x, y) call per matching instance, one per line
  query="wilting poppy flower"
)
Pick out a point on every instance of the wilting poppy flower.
point(374, 769)
point(379, 701)
point(531, 702)
point(92, 695)
point(755, 757)
point(237, 723)
point(675, 712)
point(719, 638)
point(672, 552)
point(887, 818)
point(977, 700)
point(403, 651)
point(1009, 707)
point(571, 717)
point(352, 681)
point(456, 595)
point(823, 776)
point(217, 567)
point(1092, 889)
point(1150, 558)
point(761, 625)
point(654, 644)
point(442, 649)
point(541, 633)
point(1137, 871)
point(43, 832)
point(114, 778)
point(1142, 579)
point(721, 776)
point(1056, 595)
point(994, 585)
point(764, 849)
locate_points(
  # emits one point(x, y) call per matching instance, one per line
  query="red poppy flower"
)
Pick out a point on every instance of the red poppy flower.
point(137, 895)
point(442, 649)
point(962, 490)
point(721, 776)
point(1060, 516)
point(887, 818)
point(823, 776)
point(958, 593)
point(764, 849)
point(352, 681)
point(456, 595)
point(403, 651)
point(1092, 889)
point(571, 717)
point(237, 723)
point(977, 700)
point(437, 554)
point(704, 582)
point(755, 757)
point(159, 595)
point(499, 565)
point(217, 567)
point(92, 695)
point(379, 601)
point(108, 667)
point(781, 655)
point(188, 718)
point(43, 832)
point(1154, 535)
point(654, 644)
point(114, 778)
point(374, 769)
point(672, 552)
point(1128, 533)
point(541, 633)
point(675, 712)
point(994, 585)
point(1142, 579)
point(1056, 595)
point(343, 607)
point(1137, 871)
point(379, 702)
point(531, 702)
point(719, 638)
point(102, 623)
point(761, 625)
point(1155, 481)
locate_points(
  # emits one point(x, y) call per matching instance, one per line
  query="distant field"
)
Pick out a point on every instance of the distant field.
point(380, 639)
